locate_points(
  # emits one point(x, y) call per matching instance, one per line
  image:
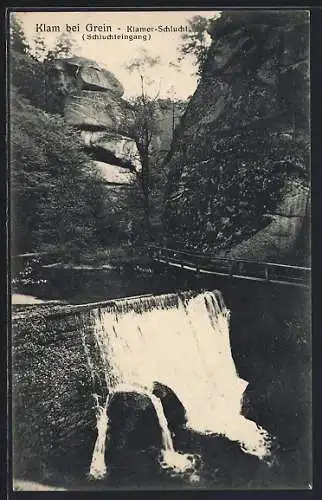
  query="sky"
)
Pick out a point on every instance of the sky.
point(115, 54)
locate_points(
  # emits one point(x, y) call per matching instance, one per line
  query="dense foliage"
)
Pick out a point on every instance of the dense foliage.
point(195, 43)
point(31, 69)
point(59, 202)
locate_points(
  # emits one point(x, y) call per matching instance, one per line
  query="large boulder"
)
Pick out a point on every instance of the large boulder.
point(282, 232)
point(133, 422)
point(87, 75)
point(99, 111)
point(99, 79)
point(119, 148)
point(113, 174)
point(243, 136)
point(94, 106)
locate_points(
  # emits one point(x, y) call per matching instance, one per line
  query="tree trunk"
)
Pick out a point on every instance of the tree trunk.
point(145, 182)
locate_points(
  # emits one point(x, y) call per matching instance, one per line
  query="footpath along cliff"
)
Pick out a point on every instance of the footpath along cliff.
point(239, 165)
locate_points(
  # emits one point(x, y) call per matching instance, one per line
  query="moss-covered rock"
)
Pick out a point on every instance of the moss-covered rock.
point(244, 136)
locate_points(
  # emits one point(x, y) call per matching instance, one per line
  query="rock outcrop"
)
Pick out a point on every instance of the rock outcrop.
point(114, 174)
point(240, 159)
point(283, 229)
point(121, 149)
point(87, 75)
point(96, 110)
point(94, 105)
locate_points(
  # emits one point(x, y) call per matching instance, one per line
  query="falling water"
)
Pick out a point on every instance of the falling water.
point(181, 341)
point(170, 459)
point(167, 443)
point(98, 466)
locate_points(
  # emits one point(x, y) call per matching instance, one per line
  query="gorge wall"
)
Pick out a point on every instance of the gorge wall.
point(108, 124)
point(239, 165)
point(94, 106)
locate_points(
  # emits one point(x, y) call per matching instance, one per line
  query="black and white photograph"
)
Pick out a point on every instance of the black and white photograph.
point(160, 228)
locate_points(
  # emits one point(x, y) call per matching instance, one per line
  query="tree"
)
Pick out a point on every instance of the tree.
point(18, 40)
point(60, 203)
point(56, 191)
point(65, 46)
point(40, 49)
point(196, 42)
point(32, 70)
point(146, 111)
point(172, 97)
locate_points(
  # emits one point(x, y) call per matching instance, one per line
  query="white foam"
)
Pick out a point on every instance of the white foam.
point(187, 348)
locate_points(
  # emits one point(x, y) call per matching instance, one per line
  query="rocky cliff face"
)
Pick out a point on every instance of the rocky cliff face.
point(95, 106)
point(238, 180)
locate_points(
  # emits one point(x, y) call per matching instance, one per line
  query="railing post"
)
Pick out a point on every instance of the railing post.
point(266, 273)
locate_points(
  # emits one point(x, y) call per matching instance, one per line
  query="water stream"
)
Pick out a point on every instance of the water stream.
point(181, 341)
point(169, 458)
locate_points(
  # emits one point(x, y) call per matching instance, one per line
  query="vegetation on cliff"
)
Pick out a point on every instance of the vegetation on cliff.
point(60, 202)
point(245, 133)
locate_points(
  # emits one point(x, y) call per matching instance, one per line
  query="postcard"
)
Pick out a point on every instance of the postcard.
point(159, 168)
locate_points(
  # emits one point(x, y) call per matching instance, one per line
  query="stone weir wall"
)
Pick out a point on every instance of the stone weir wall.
point(95, 106)
point(59, 379)
point(60, 376)
point(54, 420)
point(239, 165)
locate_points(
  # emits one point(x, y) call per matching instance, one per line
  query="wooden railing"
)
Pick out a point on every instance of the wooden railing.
point(235, 268)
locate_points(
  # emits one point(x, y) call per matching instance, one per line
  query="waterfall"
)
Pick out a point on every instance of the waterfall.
point(98, 466)
point(167, 443)
point(170, 459)
point(181, 341)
